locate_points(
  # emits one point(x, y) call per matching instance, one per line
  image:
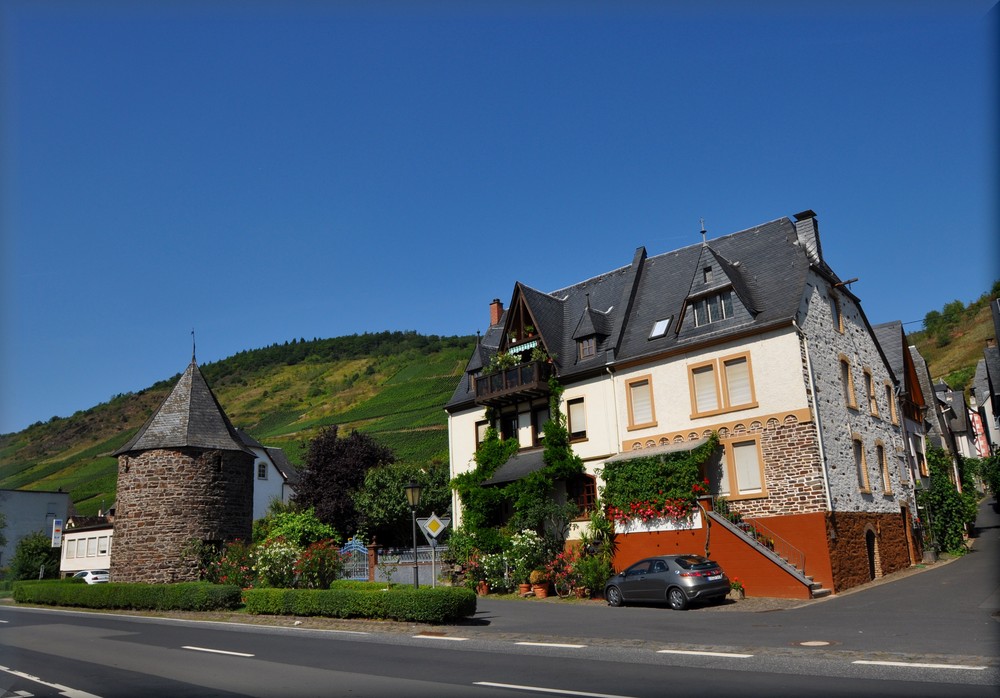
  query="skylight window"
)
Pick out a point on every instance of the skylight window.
point(660, 328)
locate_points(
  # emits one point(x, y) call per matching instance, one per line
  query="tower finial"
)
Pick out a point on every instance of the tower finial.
point(703, 231)
point(192, 346)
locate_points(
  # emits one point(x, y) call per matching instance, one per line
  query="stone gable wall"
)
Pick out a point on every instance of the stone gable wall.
point(838, 422)
point(166, 498)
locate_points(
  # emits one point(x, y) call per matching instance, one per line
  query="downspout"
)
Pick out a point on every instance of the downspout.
point(819, 423)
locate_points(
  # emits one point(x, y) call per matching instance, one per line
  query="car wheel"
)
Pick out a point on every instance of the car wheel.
point(614, 596)
point(676, 599)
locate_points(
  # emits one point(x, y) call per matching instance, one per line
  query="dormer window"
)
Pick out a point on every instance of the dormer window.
point(713, 308)
point(707, 275)
point(587, 347)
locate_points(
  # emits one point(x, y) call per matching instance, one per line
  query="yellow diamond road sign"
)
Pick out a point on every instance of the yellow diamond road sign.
point(433, 526)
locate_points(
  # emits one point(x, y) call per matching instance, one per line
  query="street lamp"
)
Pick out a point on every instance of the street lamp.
point(413, 497)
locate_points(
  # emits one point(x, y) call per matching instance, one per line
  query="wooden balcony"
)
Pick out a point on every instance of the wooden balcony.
point(516, 384)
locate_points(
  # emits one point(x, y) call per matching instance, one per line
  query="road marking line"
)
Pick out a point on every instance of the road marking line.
point(706, 654)
point(63, 690)
point(207, 649)
point(918, 665)
point(549, 644)
point(539, 689)
point(4, 621)
point(440, 637)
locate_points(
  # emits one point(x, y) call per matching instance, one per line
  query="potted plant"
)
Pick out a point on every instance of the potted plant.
point(736, 586)
point(539, 583)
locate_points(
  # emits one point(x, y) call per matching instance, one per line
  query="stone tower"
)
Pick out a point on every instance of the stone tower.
point(185, 476)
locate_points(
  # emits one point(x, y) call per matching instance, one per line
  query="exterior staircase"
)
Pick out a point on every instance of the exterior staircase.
point(772, 547)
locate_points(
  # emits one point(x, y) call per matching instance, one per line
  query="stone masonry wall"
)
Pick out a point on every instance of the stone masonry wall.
point(841, 424)
point(166, 498)
point(849, 549)
point(792, 471)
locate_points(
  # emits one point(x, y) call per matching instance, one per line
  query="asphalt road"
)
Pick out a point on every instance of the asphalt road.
point(930, 633)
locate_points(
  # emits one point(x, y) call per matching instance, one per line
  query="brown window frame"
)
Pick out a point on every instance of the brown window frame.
point(629, 386)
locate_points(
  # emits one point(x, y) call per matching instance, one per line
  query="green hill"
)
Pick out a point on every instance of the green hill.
point(392, 385)
point(953, 339)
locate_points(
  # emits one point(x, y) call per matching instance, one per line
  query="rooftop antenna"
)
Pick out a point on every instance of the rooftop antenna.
point(703, 232)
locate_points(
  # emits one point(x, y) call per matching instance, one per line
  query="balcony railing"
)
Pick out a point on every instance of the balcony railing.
point(514, 384)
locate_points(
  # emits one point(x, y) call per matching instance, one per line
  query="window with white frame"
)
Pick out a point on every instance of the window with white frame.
point(81, 547)
point(92, 545)
point(70, 549)
point(576, 416)
point(481, 427)
point(102, 545)
point(704, 388)
point(742, 471)
point(587, 347)
point(736, 391)
point(640, 403)
point(262, 470)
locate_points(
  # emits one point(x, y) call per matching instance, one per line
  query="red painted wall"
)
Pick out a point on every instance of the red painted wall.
point(760, 576)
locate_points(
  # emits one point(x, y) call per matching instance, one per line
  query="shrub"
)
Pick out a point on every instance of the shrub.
point(435, 605)
point(235, 565)
point(526, 552)
point(275, 562)
point(318, 565)
point(187, 596)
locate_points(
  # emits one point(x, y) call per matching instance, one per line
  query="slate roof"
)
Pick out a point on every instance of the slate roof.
point(517, 466)
point(991, 356)
point(889, 335)
point(284, 466)
point(190, 417)
point(765, 267)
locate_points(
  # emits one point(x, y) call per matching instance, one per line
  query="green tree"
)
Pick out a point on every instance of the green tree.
point(35, 551)
point(334, 471)
point(381, 501)
point(299, 527)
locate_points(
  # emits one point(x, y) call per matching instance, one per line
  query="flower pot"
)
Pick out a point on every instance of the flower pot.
point(541, 590)
point(580, 592)
point(482, 588)
point(523, 589)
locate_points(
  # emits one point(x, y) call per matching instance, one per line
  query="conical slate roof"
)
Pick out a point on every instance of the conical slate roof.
point(189, 417)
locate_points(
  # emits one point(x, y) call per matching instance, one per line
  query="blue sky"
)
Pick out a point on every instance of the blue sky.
point(262, 171)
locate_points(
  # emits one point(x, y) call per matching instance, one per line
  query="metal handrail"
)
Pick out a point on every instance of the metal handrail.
point(771, 540)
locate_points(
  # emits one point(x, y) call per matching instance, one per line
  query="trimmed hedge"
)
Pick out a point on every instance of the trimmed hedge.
point(185, 596)
point(434, 605)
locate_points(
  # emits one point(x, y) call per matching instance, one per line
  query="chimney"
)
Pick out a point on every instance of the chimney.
point(807, 230)
point(496, 311)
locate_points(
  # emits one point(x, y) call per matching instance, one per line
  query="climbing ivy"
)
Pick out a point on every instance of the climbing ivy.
point(530, 498)
point(946, 509)
point(648, 487)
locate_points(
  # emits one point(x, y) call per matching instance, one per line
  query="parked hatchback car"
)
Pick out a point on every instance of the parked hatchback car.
point(674, 579)
point(92, 576)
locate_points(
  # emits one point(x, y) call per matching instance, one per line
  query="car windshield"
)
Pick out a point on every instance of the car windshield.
point(694, 562)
